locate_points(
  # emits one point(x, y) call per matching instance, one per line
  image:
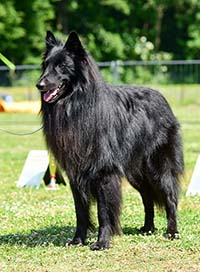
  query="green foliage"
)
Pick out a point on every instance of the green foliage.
point(120, 5)
point(10, 27)
point(22, 28)
point(110, 29)
point(112, 43)
point(194, 36)
point(143, 48)
point(36, 17)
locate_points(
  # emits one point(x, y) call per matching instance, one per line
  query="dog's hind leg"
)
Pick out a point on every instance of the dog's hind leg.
point(170, 197)
point(147, 198)
point(82, 218)
point(108, 194)
point(145, 190)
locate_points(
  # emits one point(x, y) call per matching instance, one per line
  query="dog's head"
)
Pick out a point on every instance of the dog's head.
point(60, 67)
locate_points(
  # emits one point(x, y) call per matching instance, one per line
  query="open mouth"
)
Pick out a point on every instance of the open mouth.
point(53, 94)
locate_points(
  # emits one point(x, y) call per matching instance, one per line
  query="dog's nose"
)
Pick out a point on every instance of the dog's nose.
point(40, 85)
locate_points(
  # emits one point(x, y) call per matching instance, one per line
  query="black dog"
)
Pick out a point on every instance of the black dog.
point(99, 133)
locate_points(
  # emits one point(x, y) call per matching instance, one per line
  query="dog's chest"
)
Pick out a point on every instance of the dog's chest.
point(70, 138)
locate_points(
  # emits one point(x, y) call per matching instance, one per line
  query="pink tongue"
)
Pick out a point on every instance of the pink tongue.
point(48, 95)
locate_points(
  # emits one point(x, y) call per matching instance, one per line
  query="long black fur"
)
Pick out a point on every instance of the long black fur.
point(100, 133)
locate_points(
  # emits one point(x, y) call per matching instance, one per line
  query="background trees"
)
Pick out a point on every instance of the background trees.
point(110, 29)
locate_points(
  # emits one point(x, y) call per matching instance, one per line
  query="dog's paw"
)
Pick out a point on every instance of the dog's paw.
point(147, 231)
point(75, 242)
point(171, 236)
point(99, 245)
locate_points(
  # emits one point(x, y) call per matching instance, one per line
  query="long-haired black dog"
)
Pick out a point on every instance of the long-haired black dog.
point(100, 133)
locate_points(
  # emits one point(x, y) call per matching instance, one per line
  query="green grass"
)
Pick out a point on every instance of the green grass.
point(36, 224)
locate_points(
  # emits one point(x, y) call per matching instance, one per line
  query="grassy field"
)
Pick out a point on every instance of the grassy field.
point(35, 224)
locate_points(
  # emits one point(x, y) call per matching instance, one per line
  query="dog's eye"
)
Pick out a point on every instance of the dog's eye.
point(61, 66)
point(58, 68)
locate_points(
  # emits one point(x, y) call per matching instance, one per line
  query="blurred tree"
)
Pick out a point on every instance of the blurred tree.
point(37, 16)
point(96, 22)
point(110, 29)
point(192, 44)
point(11, 30)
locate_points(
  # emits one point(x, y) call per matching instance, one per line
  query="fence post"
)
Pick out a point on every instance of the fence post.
point(114, 65)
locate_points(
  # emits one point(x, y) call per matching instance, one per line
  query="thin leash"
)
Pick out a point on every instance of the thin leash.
point(21, 134)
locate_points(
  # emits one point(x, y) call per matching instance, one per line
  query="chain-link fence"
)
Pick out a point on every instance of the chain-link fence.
point(153, 72)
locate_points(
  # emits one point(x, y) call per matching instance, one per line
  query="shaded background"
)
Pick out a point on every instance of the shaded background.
point(111, 29)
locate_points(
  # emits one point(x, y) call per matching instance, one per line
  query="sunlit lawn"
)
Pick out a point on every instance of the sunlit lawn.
point(36, 224)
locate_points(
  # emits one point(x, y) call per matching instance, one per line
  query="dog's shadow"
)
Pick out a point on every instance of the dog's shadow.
point(52, 235)
point(131, 231)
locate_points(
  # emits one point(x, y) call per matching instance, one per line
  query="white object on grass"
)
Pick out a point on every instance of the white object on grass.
point(194, 186)
point(34, 169)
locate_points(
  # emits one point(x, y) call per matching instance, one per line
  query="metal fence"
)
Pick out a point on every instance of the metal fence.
point(158, 72)
point(162, 73)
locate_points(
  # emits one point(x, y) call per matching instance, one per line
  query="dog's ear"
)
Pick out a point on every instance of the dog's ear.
point(50, 40)
point(73, 43)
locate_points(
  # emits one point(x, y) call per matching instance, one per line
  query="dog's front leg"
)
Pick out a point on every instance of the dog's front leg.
point(82, 218)
point(108, 190)
point(104, 232)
